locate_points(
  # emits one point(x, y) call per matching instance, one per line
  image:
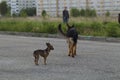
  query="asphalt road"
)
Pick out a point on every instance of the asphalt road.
point(94, 60)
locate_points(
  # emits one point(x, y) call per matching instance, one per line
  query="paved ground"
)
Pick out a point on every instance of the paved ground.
point(94, 60)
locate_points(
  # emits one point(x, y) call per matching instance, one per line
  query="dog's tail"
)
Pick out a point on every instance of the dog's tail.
point(60, 30)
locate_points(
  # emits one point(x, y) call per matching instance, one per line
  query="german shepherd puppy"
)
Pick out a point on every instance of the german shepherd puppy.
point(72, 36)
point(43, 53)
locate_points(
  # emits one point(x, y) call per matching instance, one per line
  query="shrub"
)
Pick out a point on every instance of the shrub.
point(82, 12)
point(23, 13)
point(44, 13)
point(90, 13)
point(107, 14)
point(113, 30)
point(3, 8)
point(31, 11)
point(74, 12)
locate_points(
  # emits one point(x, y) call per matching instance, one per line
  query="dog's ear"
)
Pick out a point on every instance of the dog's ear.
point(47, 44)
point(73, 25)
point(68, 25)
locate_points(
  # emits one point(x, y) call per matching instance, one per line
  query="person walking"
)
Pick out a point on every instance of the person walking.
point(65, 15)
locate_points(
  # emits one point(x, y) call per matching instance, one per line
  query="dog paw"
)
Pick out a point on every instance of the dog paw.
point(69, 55)
point(73, 56)
point(36, 64)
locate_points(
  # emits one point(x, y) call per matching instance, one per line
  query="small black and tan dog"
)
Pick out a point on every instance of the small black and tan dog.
point(43, 53)
point(72, 36)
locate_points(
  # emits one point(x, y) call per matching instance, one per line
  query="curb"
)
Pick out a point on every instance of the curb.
point(90, 38)
point(102, 39)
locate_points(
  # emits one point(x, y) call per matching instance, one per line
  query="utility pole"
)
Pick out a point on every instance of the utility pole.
point(57, 6)
point(102, 7)
point(65, 3)
point(87, 4)
point(87, 7)
point(41, 4)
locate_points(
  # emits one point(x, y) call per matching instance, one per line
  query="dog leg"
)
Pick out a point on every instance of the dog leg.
point(45, 60)
point(36, 59)
point(69, 51)
point(68, 47)
point(75, 46)
point(73, 51)
point(70, 42)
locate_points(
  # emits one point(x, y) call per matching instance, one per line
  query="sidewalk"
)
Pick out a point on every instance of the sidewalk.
point(90, 38)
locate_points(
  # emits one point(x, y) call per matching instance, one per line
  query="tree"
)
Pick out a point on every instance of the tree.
point(82, 12)
point(23, 13)
point(31, 11)
point(8, 14)
point(44, 13)
point(28, 12)
point(88, 13)
point(3, 8)
point(75, 12)
point(94, 14)
point(107, 14)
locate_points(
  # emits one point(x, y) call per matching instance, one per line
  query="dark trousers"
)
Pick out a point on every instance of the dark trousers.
point(65, 19)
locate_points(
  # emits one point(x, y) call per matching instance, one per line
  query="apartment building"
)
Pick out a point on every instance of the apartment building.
point(55, 7)
point(47, 5)
point(17, 5)
point(102, 6)
point(113, 6)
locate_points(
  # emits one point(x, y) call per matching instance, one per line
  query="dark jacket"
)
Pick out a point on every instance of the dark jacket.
point(65, 14)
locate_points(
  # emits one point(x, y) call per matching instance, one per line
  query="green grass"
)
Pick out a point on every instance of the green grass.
point(28, 26)
point(89, 28)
